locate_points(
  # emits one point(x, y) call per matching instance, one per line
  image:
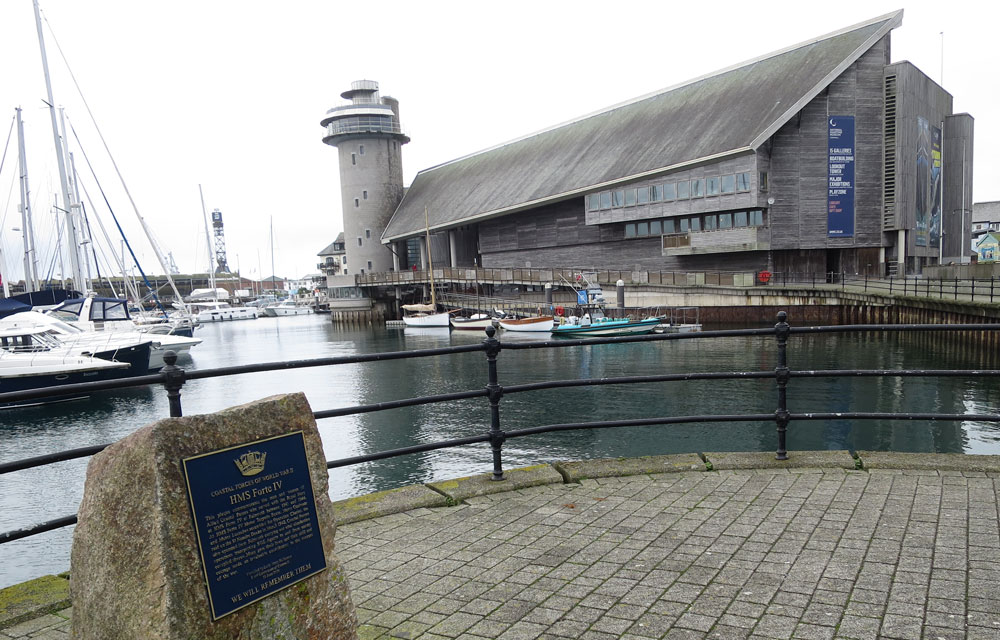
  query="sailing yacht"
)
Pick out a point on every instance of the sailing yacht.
point(426, 315)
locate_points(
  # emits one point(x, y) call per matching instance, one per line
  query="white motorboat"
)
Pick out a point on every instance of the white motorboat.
point(41, 340)
point(221, 312)
point(93, 313)
point(287, 307)
point(92, 341)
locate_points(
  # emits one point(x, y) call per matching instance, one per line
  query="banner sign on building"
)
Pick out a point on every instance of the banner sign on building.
point(928, 196)
point(840, 173)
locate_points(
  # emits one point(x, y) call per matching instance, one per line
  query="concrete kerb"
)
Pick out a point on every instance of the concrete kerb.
point(33, 599)
point(721, 461)
point(929, 461)
point(612, 467)
point(480, 485)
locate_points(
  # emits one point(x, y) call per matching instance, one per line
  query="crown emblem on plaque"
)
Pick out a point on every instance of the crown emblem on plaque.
point(251, 463)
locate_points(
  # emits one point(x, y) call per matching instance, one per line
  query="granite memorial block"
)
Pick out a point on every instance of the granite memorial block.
point(211, 527)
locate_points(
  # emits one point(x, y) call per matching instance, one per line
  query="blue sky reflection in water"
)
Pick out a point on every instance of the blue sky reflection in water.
point(33, 496)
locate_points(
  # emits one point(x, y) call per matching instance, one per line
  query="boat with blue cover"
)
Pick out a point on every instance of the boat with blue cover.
point(587, 327)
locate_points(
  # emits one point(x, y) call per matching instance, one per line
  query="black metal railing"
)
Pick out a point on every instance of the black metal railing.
point(174, 378)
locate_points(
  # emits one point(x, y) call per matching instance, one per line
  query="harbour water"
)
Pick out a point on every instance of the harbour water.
point(36, 495)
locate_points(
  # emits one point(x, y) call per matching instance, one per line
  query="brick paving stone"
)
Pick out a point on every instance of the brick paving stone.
point(807, 555)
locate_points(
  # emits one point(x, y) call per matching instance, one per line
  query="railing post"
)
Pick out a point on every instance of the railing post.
point(173, 380)
point(781, 331)
point(497, 436)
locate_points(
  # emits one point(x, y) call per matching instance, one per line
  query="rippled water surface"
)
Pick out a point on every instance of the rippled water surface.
point(36, 495)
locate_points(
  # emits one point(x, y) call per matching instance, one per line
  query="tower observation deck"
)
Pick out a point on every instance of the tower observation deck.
point(369, 141)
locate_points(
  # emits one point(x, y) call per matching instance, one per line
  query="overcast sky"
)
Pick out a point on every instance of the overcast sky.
point(229, 94)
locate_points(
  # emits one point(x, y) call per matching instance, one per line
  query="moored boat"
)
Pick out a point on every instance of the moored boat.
point(477, 321)
point(25, 371)
point(222, 311)
point(287, 307)
point(535, 323)
point(605, 327)
point(425, 315)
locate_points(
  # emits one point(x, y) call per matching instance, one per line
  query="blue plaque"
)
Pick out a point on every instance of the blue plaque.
point(840, 174)
point(255, 520)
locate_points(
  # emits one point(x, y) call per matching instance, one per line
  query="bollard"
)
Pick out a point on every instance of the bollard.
point(497, 437)
point(781, 331)
point(173, 380)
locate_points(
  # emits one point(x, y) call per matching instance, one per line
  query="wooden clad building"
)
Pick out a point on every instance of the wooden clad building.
point(824, 156)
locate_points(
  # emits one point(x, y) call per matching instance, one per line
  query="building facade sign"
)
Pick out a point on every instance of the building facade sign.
point(840, 172)
point(928, 201)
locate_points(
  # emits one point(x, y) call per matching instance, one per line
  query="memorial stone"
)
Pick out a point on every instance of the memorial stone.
point(211, 527)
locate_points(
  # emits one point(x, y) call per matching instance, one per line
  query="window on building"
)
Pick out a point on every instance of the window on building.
point(642, 229)
point(630, 197)
point(685, 225)
point(369, 265)
point(642, 195)
point(606, 200)
point(740, 219)
point(362, 272)
point(357, 203)
point(742, 181)
point(725, 221)
point(670, 191)
point(710, 222)
point(712, 186)
point(763, 181)
point(359, 241)
point(593, 202)
point(655, 227)
point(343, 260)
point(683, 190)
point(368, 233)
point(695, 224)
point(361, 149)
point(698, 188)
point(354, 159)
point(657, 193)
point(618, 198)
point(669, 226)
point(364, 194)
point(756, 218)
point(728, 184)
point(630, 230)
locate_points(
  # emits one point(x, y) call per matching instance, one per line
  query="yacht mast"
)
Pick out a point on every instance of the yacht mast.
point(272, 258)
point(72, 239)
point(27, 230)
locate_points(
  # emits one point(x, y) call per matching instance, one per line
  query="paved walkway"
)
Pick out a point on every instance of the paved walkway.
point(733, 554)
point(801, 553)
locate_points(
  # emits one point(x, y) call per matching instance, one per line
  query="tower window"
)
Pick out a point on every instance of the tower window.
point(365, 194)
point(369, 265)
point(359, 241)
point(357, 203)
point(354, 159)
point(368, 233)
point(361, 149)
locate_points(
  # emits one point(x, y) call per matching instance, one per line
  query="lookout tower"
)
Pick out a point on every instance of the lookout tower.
point(220, 243)
point(368, 136)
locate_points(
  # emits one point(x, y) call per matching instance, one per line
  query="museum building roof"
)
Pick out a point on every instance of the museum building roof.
point(723, 114)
